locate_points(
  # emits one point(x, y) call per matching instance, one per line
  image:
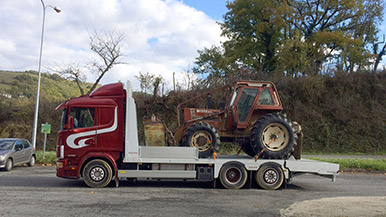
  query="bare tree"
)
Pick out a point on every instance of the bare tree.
point(107, 47)
point(379, 55)
point(72, 72)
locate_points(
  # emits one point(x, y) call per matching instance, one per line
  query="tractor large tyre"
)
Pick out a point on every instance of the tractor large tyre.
point(273, 136)
point(202, 136)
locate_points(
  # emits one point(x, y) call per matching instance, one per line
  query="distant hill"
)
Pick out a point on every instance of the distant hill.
point(23, 84)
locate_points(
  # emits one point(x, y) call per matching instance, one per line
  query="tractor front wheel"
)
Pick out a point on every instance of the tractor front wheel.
point(202, 136)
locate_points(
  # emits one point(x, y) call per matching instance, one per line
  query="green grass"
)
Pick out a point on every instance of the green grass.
point(359, 164)
point(49, 158)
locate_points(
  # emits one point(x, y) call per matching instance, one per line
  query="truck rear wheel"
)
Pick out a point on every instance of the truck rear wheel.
point(270, 176)
point(202, 136)
point(233, 175)
point(97, 173)
point(274, 134)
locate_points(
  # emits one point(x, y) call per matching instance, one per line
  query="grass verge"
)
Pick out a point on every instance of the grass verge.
point(49, 158)
point(357, 164)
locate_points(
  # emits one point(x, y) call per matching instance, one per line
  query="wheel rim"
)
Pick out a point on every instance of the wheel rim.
point(9, 164)
point(32, 162)
point(201, 140)
point(97, 174)
point(275, 137)
point(233, 175)
point(271, 176)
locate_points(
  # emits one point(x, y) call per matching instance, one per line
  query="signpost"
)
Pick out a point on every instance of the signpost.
point(46, 129)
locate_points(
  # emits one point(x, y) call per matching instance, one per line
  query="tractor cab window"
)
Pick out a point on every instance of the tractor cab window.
point(245, 103)
point(83, 117)
point(265, 97)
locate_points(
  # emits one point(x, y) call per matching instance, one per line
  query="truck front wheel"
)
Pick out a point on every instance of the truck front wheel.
point(97, 173)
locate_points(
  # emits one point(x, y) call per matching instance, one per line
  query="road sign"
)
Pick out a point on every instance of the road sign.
point(46, 128)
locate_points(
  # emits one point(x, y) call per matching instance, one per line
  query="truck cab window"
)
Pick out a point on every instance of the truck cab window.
point(83, 117)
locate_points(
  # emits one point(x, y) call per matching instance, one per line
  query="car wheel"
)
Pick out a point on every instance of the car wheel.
point(32, 161)
point(9, 164)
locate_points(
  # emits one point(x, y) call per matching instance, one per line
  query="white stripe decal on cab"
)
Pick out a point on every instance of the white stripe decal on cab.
point(82, 143)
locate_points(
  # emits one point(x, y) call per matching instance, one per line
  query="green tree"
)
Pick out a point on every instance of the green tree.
point(293, 37)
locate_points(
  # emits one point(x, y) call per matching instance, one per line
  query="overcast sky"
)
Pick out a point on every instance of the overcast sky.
point(161, 37)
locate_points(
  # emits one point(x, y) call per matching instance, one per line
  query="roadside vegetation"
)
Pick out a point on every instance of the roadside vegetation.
point(369, 165)
point(49, 158)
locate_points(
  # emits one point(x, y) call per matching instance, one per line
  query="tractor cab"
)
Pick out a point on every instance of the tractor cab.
point(250, 105)
point(249, 101)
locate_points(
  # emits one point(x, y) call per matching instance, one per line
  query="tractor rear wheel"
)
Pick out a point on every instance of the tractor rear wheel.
point(202, 136)
point(274, 136)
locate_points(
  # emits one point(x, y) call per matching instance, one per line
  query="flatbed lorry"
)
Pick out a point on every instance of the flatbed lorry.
point(98, 142)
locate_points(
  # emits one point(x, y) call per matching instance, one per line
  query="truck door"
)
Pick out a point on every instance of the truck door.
point(82, 129)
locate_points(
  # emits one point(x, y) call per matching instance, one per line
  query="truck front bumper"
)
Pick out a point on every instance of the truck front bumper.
point(66, 171)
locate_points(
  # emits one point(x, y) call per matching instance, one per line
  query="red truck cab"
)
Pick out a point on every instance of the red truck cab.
point(92, 127)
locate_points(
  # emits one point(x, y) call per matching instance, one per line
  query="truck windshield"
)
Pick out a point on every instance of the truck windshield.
point(64, 119)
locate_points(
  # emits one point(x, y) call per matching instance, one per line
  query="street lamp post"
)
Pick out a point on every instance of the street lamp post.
point(39, 72)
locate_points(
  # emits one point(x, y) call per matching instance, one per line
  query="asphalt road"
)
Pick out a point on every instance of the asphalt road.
point(38, 192)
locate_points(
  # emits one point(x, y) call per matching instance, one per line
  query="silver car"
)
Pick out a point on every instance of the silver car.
point(16, 152)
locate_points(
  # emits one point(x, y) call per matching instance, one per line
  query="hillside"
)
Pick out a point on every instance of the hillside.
point(17, 103)
point(23, 84)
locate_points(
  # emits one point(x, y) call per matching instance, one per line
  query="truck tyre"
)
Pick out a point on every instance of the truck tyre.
point(97, 173)
point(202, 136)
point(270, 176)
point(273, 136)
point(247, 148)
point(32, 161)
point(233, 175)
point(9, 165)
